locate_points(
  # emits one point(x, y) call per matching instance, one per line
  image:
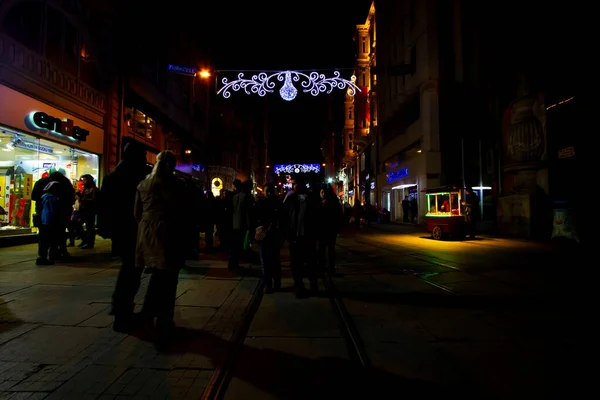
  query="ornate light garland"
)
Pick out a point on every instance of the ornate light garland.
point(296, 168)
point(314, 83)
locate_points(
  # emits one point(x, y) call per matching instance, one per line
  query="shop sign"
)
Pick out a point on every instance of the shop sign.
point(566, 152)
point(67, 127)
point(35, 147)
point(28, 178)
point(49, 165)
point(402, 173)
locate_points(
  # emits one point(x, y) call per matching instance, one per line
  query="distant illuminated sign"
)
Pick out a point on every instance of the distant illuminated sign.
point(401, 173)
point(181, 69)
point(296, 168)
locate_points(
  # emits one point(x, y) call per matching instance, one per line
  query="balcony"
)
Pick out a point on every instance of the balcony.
point(17, 61)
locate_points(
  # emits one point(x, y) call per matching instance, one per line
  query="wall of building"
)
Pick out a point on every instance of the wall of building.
point(408, 98)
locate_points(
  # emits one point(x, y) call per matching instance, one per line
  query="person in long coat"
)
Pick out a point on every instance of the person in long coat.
point(116, 202)
point(162, 211)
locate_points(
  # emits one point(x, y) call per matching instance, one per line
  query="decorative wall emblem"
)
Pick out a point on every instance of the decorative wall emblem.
point(526, 133)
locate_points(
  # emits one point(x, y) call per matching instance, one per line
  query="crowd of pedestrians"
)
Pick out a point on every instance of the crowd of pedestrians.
point(155, 221)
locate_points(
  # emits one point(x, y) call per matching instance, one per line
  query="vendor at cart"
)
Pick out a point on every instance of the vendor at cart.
point(445, 208)
point(469, 204)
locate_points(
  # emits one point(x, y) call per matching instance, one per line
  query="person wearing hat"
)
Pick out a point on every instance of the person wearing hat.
point(88, 210)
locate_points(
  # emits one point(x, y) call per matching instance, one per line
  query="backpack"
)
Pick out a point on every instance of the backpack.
point(49, 208)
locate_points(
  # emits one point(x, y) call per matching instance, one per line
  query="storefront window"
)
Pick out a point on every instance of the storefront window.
point(23, 160)
point(140, 123)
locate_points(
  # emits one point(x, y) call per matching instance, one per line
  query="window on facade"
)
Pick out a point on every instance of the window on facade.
point(412, 13)
point(140, 123)
point(23, 23)
point(88, 67)
point(350, 114)
point(413, 58)
point(374, 113)
point(54, 34)
point(70, 59)
point(402, 37)
point(62, 42)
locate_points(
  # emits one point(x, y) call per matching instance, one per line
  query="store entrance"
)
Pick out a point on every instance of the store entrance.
point(24, 159)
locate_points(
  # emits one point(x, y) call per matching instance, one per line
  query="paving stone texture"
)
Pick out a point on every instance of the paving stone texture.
point(475, 321)
point(56, 337)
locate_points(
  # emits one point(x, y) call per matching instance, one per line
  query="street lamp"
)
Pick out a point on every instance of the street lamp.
point(205, 75)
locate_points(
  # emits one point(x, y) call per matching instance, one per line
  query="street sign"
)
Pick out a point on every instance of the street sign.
point(180, 69)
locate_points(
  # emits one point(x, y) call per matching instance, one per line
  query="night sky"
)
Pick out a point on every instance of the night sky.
point(262, 35)
point(277, 36)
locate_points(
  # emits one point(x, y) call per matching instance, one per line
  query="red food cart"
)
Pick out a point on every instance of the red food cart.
point(444, 213)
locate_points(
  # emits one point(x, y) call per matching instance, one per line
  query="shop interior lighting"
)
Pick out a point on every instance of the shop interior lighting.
point(404, 186)
point(482, 188)
point(11, 145)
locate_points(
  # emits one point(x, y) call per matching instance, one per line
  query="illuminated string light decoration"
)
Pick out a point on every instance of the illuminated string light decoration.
point(314, 83)
point(296, 168)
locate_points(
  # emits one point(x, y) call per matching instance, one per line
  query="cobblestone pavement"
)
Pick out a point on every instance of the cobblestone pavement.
point(432, 323)
point(485, 320)
point(56, 339)
point(428, 331)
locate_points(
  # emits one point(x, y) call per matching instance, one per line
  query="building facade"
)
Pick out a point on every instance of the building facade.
point(360, 127)
point(54, 102)
point(78, 80)
point(408, 140)
point(467, 96)
point(149, 101)
point(239, 141)
point(435, 121)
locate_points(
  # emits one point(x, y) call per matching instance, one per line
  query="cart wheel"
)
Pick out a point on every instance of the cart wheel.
point(437, 232)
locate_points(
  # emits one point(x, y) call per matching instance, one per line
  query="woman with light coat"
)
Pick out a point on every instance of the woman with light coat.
point(161, 210)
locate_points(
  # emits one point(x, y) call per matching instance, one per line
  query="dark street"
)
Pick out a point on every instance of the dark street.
point(413, 318)
point(377, 199)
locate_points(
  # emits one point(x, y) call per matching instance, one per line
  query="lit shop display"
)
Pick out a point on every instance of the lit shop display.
point(23, 160)
point(444, 214)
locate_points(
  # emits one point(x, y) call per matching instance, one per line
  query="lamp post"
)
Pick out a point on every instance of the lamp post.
point(205, 75)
